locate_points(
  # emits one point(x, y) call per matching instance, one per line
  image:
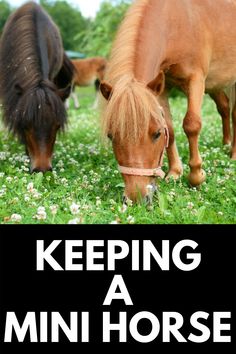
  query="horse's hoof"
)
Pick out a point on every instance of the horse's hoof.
point(195, 179)
point(174, 174)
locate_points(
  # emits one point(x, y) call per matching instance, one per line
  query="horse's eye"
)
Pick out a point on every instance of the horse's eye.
point(156, 135)
point(109, 136)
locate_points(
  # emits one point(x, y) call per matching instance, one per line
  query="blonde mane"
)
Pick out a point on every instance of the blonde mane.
point(123, 54)
point(132, 104)
point(129, 110)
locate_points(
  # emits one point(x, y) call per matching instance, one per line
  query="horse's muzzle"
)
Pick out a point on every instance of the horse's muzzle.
point(43, 170)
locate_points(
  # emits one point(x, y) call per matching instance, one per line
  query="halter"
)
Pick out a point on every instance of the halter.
point(148, 172)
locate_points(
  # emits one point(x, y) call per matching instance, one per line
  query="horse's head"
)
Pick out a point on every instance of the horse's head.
point(40, 114)
point(135, 123)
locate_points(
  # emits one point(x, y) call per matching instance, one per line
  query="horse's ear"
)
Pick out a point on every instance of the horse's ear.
point(64, 93)
point(106, 90)
point(158, 84)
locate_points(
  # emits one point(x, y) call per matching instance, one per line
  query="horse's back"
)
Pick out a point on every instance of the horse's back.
point(88, 70)
point(201, 36)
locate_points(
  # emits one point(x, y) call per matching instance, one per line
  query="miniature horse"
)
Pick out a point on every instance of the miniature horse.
point(88, 72)
point(36, 79)
point(163, 44)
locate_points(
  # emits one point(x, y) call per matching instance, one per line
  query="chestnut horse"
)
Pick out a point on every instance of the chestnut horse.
point(90, 71)
point(36, 79)
point(163, 44)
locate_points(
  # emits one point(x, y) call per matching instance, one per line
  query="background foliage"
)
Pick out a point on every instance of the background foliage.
point(5, 11)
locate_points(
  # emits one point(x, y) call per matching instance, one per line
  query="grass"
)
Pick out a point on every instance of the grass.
point(85, 186)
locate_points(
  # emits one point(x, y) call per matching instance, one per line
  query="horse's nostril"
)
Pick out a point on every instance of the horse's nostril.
point(35, 170)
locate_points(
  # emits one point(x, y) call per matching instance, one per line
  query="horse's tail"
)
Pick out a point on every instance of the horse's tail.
point(38, 106)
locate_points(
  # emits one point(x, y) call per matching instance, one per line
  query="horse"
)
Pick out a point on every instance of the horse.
point(36, 77)
point(90, 71)
point(163, 44)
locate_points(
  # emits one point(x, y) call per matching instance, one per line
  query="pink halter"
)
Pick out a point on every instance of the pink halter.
point(148, 172)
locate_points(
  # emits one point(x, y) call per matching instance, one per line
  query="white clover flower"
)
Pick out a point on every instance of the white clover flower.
point(9, 179)
point(30, 187)
point(75, 221)
point(60, 163)
point(74, 208)
point(36, 194)
point(129, 202)
point(64, 181)
point(16, 218)
point(26, 198)
point(190, 205)
point(53, 209)
point(130, 219)
point(123, 208)
point(98, 201)
point(41, 214)
point(115, 222)
point(40, 209)
point(150, 188)
point(2, 192)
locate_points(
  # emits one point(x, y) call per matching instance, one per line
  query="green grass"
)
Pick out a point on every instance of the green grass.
point(86, 187)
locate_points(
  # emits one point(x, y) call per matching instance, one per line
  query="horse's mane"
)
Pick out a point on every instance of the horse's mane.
point(132, 104)
point(25, 90)
point(123, 54)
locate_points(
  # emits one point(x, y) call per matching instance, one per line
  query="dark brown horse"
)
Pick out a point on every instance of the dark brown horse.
point(190, 44)
point(35, 81)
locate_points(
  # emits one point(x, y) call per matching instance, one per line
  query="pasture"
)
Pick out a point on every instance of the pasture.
point(85, 186)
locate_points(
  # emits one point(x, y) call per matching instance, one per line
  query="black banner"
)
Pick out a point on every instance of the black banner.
point(146, 287)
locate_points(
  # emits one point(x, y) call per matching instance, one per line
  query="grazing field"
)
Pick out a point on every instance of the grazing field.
point(85, 186)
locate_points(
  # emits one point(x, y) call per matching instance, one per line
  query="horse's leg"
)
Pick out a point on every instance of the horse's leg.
point(234, 132)
point(223, 107)
point(175, 164)
point(75, 100)
point(67, 103)
point(192, 126)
